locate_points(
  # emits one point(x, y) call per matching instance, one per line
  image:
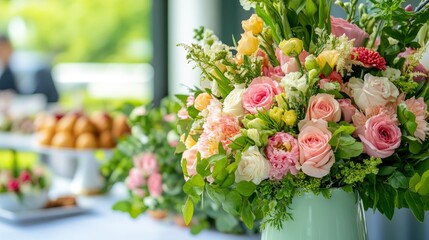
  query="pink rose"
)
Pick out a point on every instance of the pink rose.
point(260, 93)
point(348, 109)
point(283, 153)
point(316, 156)
point(275, 73)
point(155, 185)
point(340, 26)
point(381, 136)
point(146, 162)
point(191, 160)
point(136, 179)
point(322, 106)
point(289, 64)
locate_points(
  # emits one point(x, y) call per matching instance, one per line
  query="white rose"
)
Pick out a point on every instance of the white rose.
point(252, 167)
point(373, 91)
point(233, 102)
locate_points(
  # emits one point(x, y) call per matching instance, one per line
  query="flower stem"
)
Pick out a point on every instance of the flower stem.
point(301, 69)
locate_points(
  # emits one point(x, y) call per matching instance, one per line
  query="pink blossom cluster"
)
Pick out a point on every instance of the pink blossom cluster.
point(145, 175)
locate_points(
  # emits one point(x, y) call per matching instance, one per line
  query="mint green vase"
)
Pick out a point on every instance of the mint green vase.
point(315, 217)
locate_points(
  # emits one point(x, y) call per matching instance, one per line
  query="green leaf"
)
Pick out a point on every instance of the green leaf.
point(225, 222)
point(219, 170)
point(386, 170)
point(193, 112)
point(398, 180)
point(194, 187)
point(422, 187)
point(247, 215)
point(188, 210)
point(184, 167)
point(246, 188)
point(123, 206)
point(203, 167)
point(415, 204)
point(215, 194)
point(180, 148)
point(386, 201)
point(232, 203)
point(229, 180)
point(413, 181)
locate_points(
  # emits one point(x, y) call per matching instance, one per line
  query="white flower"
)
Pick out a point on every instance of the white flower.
point(253, 166)
point(233, 102)
point(293, 83)
point(392, 74)
point(247, 4)
point(138, 111)
point(373, 91)
point(137, 132)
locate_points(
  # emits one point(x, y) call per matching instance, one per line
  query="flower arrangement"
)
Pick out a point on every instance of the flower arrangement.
point(147, 163)
point(306, 102)
point(24, 181)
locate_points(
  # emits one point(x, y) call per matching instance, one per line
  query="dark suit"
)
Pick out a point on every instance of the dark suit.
point(45, 85)
point(7, 80)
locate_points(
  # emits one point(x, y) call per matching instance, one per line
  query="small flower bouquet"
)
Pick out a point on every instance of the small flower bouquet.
point(306, 102)
point(147, 163)
point(24, 188)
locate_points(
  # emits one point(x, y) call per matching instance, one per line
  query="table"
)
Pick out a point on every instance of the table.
point(103, 223)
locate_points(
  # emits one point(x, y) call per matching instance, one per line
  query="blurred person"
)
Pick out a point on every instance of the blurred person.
point(45, 85)
point(7, 78)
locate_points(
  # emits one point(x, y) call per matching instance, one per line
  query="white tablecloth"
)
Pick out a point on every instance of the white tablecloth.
point(101, 223)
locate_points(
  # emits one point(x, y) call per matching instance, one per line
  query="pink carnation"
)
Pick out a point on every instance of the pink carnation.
point(147, 163)
point(136, 179)
point(380, 136)
point(419, 108)
point(340, 26)
point(155, 185)
point(283, 153)
point(260, 93)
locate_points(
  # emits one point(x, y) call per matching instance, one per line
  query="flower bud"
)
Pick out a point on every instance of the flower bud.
point(280, 99)
point(202, 101)
point(254, 24)
point(290, 117)
point(313, 73)
point(292, 47)
point(276, 114)
point(255, 123)
point(311, 63)
point(248, 44)
point(254, 135)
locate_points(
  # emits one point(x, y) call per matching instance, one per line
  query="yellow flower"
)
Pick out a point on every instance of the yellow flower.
point(202, 101)
point(221, 67)
point(254, 24)
point(292, 47)
point(276, 114)
point(290, 117)
point(189, 142)
point(248, 44)
point(238, 59)
point(328, 58)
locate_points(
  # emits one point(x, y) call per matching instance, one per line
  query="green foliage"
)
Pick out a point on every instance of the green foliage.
point(345, 146)
point(84, 31)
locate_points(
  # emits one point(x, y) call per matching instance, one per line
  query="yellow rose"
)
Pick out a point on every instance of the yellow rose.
point(254, 24)
point(327, 61)
point(292, 47)
point(202, 101)
point(189, 142)
point(248, 44)
point(290, 117)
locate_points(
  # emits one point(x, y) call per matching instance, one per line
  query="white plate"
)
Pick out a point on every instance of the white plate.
point(39, 214)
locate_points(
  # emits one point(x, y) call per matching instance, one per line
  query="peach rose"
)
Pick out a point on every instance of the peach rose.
point(347, 109)
point(202, 101)
point(322, 106)
point(340, 26)
point(316, 156)
point(154, 185)
point(381, 136)
point(260, 93)
point(248, 44)
point(253, 24)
